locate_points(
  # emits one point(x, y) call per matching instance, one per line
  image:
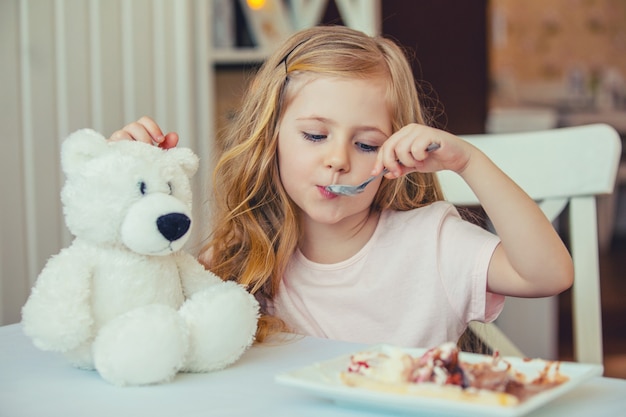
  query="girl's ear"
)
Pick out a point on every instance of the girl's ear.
point(79, 148)
point(184, 157)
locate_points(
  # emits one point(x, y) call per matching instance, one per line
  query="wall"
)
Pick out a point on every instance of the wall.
point(449, 40)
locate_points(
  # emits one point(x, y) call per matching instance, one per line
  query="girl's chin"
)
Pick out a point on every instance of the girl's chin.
point(323, 217)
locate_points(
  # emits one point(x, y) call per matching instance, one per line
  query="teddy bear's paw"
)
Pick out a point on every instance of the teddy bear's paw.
point(57, 315)
point(52, 332)
point(222, 322)
point(147, 345)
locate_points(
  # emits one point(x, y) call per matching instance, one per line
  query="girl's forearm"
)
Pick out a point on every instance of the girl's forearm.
point(541, 264)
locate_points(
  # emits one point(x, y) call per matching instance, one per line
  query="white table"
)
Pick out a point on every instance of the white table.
point(36, 383)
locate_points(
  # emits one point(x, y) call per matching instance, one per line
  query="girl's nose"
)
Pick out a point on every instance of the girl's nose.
point(338, 158)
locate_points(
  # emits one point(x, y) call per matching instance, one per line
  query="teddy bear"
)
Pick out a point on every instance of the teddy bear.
point(125, 298)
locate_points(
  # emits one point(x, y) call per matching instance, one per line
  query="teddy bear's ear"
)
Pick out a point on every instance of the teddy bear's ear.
point(79, 148)
point(184, 157)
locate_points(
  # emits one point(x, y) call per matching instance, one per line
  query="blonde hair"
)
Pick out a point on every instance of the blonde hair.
point(256, 227)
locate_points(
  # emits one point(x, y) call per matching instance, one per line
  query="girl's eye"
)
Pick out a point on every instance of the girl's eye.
point(313, 137)
point(367, 148)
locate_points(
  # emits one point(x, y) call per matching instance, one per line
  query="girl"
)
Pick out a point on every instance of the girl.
point(395, 264)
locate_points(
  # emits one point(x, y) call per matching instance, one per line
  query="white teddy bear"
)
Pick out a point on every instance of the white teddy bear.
point(124, 299)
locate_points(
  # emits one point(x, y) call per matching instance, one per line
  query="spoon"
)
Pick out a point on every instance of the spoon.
point(349, 190)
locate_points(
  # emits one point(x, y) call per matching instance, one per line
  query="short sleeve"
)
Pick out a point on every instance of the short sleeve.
point(465, 251)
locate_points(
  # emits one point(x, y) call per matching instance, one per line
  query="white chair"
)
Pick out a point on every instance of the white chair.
point(559, 168)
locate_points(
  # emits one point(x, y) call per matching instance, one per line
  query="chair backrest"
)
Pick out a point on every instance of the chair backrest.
point(557, 168)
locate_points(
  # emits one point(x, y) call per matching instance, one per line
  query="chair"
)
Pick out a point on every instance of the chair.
point(559, 168)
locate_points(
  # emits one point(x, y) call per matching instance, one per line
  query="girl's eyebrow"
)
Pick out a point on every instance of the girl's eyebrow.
point(325, 120)
point(317, 119)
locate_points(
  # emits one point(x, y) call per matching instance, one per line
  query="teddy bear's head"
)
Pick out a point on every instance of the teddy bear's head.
point(127, 193)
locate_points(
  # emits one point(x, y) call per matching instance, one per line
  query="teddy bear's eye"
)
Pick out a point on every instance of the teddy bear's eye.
point(142, 187)
point(169, 184)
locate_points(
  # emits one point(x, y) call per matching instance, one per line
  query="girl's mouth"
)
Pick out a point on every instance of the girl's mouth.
point(325, 193)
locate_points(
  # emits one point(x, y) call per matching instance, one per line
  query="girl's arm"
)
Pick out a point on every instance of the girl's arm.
point(532, 260)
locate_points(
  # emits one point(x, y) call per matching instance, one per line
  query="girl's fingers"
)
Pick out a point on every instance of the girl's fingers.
point(152, 129)
point(169, 141)
point(141, 133)
point(148, 131)
point(405, 151)
point(134, 131)
point(418, 152)
point(397, 155)
point(120, 135)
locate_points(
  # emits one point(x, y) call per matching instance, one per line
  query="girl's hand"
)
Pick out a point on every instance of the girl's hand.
point(405, 151)
point(146, 130)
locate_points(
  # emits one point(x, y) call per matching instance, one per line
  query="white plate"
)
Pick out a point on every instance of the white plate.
point(322, 379)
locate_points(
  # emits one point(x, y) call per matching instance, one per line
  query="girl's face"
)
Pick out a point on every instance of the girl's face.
point(330, 134)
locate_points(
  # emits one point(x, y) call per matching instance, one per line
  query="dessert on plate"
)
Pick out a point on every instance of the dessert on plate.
point(441, 373)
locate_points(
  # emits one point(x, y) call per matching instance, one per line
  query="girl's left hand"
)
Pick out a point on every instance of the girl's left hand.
point(405, 151)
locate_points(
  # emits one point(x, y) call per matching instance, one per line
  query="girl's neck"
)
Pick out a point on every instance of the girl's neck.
point(332, 243)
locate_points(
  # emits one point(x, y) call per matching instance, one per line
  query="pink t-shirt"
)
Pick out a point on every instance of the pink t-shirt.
point(417, 282)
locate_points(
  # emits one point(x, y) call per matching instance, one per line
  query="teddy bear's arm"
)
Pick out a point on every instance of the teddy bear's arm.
point(194, 276)
point(57, 315)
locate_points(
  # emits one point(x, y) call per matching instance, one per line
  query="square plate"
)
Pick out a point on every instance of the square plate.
point(322, 379)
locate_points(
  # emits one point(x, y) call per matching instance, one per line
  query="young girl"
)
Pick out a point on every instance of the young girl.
point(394, 264)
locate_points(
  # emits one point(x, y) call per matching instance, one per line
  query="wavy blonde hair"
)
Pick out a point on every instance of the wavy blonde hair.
point(256, 227)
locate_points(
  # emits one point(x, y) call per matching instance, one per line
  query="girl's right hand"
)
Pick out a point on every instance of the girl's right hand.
point(146, 130)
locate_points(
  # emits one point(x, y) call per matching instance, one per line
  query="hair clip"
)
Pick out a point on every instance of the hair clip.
point(284, 60)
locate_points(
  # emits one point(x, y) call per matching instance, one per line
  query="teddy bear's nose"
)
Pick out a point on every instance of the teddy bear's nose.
point(173, 225)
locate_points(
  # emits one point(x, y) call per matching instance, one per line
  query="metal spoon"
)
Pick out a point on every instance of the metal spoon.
point(350, 190)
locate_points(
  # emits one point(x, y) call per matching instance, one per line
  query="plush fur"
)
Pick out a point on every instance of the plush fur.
point(124, 298)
